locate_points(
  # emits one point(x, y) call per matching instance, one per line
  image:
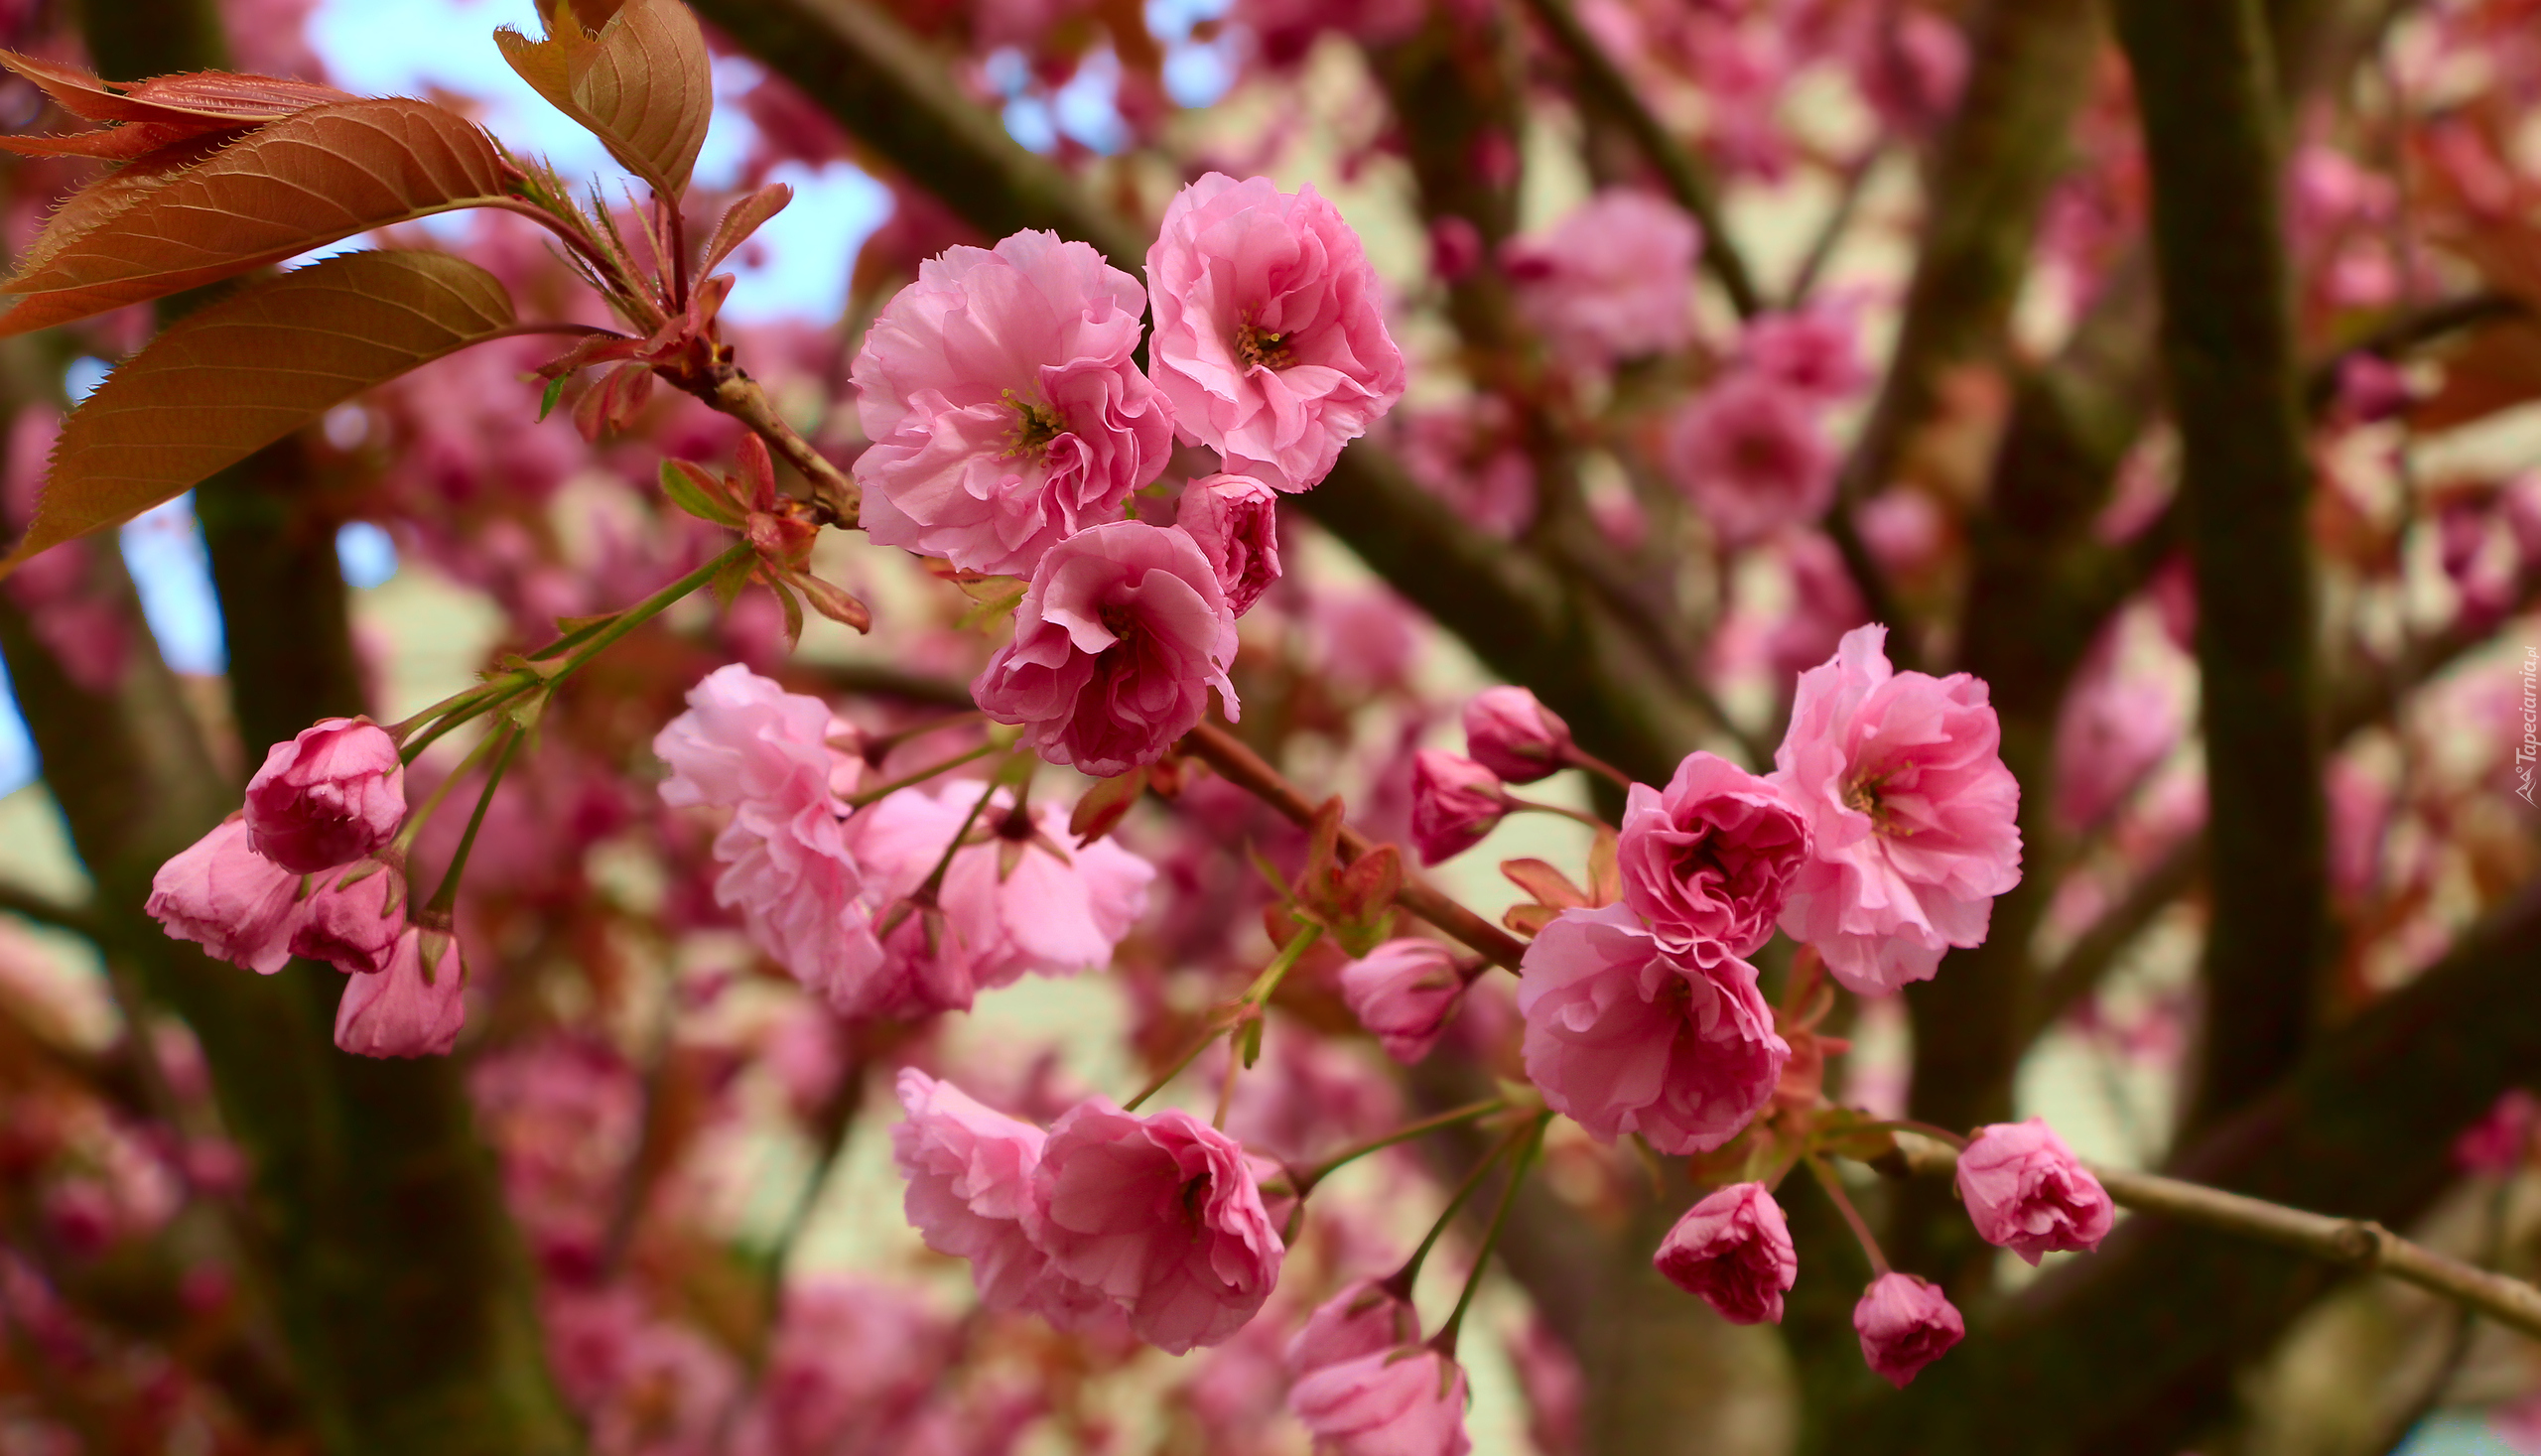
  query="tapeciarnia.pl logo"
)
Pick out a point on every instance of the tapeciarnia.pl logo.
point(2530, 747)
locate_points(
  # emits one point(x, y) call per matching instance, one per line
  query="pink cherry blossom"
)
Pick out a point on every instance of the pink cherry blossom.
point(746, 739)
point(409, 1010)
point(1734, 1249)
point(850, 1362)
point(1269, 328)
point(970, 1171)
point(1455, 802)
point(1912, 811)
point(1005, 409)
point(1365, 1318)
point(1404, 991)
point(355, 920)
point(2027, 1192)
point(1515, 737)
point(1623, 1038)
point(238, 905)
point(1234, 521)
point(1814, 351)
point(1162, 1214)
point(330, 796)
point(2500, 1142)
point(1753, 458)
point(1710, 863)
point(1117, 640)
point(1407, 1401)
point(1614, 280)
point(1904, 1323)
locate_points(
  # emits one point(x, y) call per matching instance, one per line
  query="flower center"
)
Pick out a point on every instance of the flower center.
point(1035, 426)
point(1259, 348)
point(1862, 796)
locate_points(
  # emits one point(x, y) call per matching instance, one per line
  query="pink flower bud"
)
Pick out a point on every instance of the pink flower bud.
point(1904, 1324)
point(1365, 1318)
point(235, 903)
point(1515, 737)
point(330, 796)
point(1395, 1402)
point(352, 922)
point(1404, 991)
point(1734, 1249)
point(1236, 521)
point(1454, 803)
point(2028, 1193)
point(406, 1010)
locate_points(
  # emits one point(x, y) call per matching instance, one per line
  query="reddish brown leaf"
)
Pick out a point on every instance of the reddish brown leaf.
point(226, 98)
point(2493, 369)
point(741, 219)
point(1548, 885)
point(642, 84)
point(230, 378)
point(297, 184)
point(1106, 805)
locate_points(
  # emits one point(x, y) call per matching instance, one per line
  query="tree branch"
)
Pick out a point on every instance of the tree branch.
point(2209, 113)
point(44, 909)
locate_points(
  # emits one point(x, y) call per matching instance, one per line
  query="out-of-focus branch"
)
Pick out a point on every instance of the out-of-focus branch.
point(2209, 114)
point(2357, 1244)
point(1603, 84)
point(2134, 1349)
point(1236, 762)
point(2092, 957)
point(2406, 332)
point(44, 909)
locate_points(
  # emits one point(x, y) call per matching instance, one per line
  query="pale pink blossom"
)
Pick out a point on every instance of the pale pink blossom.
point(1904, 1323)
point(1753, 457)
point(1555, 1387)
point(1614, 280)
point(1623, 1038)
point(971, 1194)
point(1471, 457)
point(744, 740)
point(1365, 1318)
point(1234, 521)
point(1407, 1401)
point(1162, 1214)
point(353, 921)
point(1455, 802)
point(1710, 863)
point(2027, 1192)
point(410, 1010)
point(235, 903)
point(1912, 811)
point(330, 796)
point(1404, 991)
point(1117, 643)
point(1734, 1249)
point(1515, 737)
point(1269, 328)
point(849, 1365)
point(1005, 410)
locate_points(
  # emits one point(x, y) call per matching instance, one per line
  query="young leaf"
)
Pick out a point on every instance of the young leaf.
point(149, 116)
point(230, 378)
point(741, 219)
point(643, 86)
point(694, 490)
point(1106, 805)
point(297, 183)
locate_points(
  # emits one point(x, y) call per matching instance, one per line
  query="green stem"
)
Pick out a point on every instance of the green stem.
point(446, 896)
point(1523, 805)
point(1401, 1281)
point(1259, 994)
point(647, 610)
point(1308, 1181)
point(879, 792)
point(1189, 1055)
point(417, 818)
point(1834, 1187)
point(1937, 1134)
point(1531, 1139)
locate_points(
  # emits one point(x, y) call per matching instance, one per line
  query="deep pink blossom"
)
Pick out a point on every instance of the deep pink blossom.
point(2027, 1192)
point(1515, 737)
point(355, 920)
point(1162, 1214)
point(1005, 409)
point(238, 905)
point(1365, 1318)
point(1455, 802)
point(1912, 811)
point(330, 796)
point(1734, 1249)
point(1904, 1323)
point(2501, 1140)
point(1407, 1401)
point(1709, 862)
point(1404, 991)
point(1623, 1038)
point(1614, 280)
point(1234, 521)
point(410, 1010)
point(1117, 643)
point(1270, 328)
point(970, 1171)
point(1814, 351)
point(1752, 456)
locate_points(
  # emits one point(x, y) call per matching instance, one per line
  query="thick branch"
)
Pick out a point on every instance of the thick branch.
point(2207, 108)
point(44, 909)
